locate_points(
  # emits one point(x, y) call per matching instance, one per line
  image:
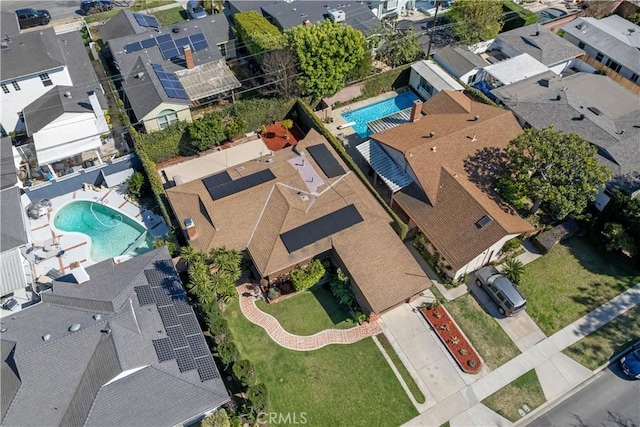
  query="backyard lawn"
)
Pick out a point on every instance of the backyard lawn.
point(525, 390)
point(307, 313)
point(484, 332)
point(596, 349)
point(171, 16)
point(334, 385)
point(571, 280)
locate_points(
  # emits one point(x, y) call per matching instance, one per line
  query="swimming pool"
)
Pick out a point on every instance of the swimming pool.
point(376, 111)
point(110, 232)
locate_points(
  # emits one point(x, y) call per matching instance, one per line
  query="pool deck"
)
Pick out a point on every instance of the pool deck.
point(75, 245)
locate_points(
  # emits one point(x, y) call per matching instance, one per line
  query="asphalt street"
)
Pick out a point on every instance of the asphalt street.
point(610, 400)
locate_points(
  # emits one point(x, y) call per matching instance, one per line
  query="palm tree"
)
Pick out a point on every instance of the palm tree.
point(513, 269)
point(201, 283)
point(190, 255)
point(227, 261)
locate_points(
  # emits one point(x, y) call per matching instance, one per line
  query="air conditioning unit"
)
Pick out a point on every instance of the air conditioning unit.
point(337, 15)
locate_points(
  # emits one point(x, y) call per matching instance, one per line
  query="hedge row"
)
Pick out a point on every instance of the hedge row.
point(257, 34)
point(477, 95)
point(259, 111)
point(164, 144)
point(385, 82)
point(523, 18)
point(307, 117)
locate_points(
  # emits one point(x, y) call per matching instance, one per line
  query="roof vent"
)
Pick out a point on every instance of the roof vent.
point(558, 97)
point(432, 134)
point(476, 118)
point(4, 45)
point(433, 149)
point(175, 30)
point(67, 94)
point(620, 132)
point(595, 111)
point(580, 117)
point(304, 197)
point(46, 337)
point(483, 222)
point(97, 316)
point(74, 328)
point(337, 15)
point(140, 75)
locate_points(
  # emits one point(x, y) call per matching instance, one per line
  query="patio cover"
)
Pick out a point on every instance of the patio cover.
point(208, 80)
point(12, 274)
point(380, 161)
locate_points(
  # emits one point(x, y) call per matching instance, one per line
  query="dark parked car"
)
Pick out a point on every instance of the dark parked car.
point(630, 362)
point(89, 7)
point(32, 17)
point(509, 299)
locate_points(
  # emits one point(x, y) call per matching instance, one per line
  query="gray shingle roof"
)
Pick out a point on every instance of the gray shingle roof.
point(8, 177)
point(609, 113)
point(12, 231)
point(31, 53)
point(72, 375)
point(459, 59)
point(611, 36)
point(542, 44)
point(122, 25)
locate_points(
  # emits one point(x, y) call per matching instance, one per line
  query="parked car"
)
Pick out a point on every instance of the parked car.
point(195, 10)
point(630, 362)
point(509, 299)
point(32, 17)
point(89, 7)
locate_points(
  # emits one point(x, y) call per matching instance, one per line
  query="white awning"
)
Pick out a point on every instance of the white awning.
point(12, 274)
point(384, 166)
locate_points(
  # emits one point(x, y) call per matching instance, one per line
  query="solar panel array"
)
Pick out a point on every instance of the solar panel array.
point(170, 48)
point(184, 342)
point(320, 228)
point(170, 83)
point(221, 185)
point(325, 160)
point(146, 20)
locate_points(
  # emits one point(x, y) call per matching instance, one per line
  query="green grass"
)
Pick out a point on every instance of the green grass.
point(171, 16)
point(484, 332)
point(524, 390)
point(406, 376)
point(101, 16)
point(597, 348)
point(571, 280)
point(335, 385)
point(309, 312)
point(143, 5)
point(137, 6)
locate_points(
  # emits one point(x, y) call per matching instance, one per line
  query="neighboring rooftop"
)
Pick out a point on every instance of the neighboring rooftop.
point(123, 24)
point(31, 53)
point(12, 231)
point(515, 69)
point(590, 105)
point(436, 76)
point(122, 348)
point(613, 36)
point(459, 59)
point(7, 164)
point(540, 43)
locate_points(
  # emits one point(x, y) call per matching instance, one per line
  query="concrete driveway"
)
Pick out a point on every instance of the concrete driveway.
point(522, 330)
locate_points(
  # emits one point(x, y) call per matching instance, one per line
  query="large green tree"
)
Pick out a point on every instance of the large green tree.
point(476, 20)
point(257, 33)
point(326, 53)
point(557, 168)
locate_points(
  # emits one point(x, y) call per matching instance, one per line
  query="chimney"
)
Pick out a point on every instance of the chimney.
point(188, 57)
point(416, 110)
point(190, 229)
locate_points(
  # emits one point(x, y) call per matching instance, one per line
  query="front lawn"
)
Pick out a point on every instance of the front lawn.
point(309, 312)
point(488, 338)
point(335, 385)
point(571, 280)
point(597, 348)
point(525, 390)
point(171, 16)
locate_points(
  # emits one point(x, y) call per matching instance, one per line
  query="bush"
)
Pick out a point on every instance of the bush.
point(548, 239)
point(257, 34)
point(134, 185)
point(161, 145)
point(218, 419)
point(258, 397)
point(244, 372)
point(274, 293)
point(206, 132)
point(512, 245)
point(228, 352)
point(523, 16)
point(259, 111)
point(219, 327)
point(170, 244)
point(387, 81)
point(235, 127)
point(341, 290)
point(304, 278)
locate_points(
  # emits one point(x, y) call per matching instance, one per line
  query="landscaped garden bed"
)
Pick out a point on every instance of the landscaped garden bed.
point(451, 336)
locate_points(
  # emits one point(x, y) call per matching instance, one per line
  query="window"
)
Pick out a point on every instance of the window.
point(424, 85)
point(391, 5)
point(5, 89)
point(223, 49)
point(21, 115)
point(15, 84)
point(581, 45)
point(634, 78)
point(613, 65)
point(46, 80)
point(166, 118)
point(599, 57)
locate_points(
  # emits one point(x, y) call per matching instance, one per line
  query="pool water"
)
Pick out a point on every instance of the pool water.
point(111, 232)
point(376, 111)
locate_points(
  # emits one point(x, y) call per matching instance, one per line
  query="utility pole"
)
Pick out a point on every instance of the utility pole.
point(433, 26)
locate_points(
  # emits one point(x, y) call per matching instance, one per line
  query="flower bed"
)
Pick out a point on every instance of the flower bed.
point(459, 348)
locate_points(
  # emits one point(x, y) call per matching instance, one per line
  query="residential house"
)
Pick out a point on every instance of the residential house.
point(51, 97)
point(507, 72)
point(440, 169)
point(590, 105)
point(459, 62)
point(289, 14)
point(115, 344)
point(295, 205)
point(168, 70)
point(427, 78)
point(613, 42)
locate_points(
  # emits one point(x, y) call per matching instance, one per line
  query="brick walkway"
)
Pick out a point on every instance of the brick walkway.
point(297, 342)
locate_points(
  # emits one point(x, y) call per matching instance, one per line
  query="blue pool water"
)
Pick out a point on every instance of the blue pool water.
point(111, 233)
point(376, 111)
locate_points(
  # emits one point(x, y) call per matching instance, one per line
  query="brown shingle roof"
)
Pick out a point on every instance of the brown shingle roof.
point(255, 218)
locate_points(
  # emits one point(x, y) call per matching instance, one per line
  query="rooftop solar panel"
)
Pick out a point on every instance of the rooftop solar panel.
point(219, 187)
point(198, 42)
point(325, 160)
point(147, 43)
point(161, 297)
point(176, 335)
point(190, 324)
point(181, 305)
point(217, 179)
point(154, 278)
point(146, 20)
point(168, 316)
point(133, 47)
point(145, 296)
point(320, 228)
point(163, 38)
point(207, 368)
point(185, 359)
point(164, 349)
point(198, 345)
point(169, 81)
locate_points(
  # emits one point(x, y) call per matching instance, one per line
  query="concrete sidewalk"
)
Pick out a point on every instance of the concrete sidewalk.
point(557, 373)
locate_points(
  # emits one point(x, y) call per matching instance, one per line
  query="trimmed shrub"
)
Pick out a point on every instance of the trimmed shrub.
point(259, 111)
point(341, 290)
point(257, 34)
point(512, 245)
point(154, 180)
point(304, 278)
point(274, 293)
point(219, 326)
point(218, 419)
point(134, 185)
point(206, 132)
point(228, 352)
point(523, 16)
point(244, 372)
point(385, 82)
point(161, 145)
point(258, 397)
point(548, 239)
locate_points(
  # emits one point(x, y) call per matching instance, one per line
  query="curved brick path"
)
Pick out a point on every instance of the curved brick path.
point(298, 342)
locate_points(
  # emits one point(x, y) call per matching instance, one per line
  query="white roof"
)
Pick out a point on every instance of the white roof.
point(515, 69)
point(12, 274)
point(436, 76)
point(384, 166)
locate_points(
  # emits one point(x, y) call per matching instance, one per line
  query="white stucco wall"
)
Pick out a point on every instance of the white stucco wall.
point(490, 254)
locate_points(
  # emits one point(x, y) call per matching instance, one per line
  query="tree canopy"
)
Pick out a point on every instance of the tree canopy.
point(477, 20)
point(396, 49)
point(560, 169)
point(326, 53)
point(258, 34)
